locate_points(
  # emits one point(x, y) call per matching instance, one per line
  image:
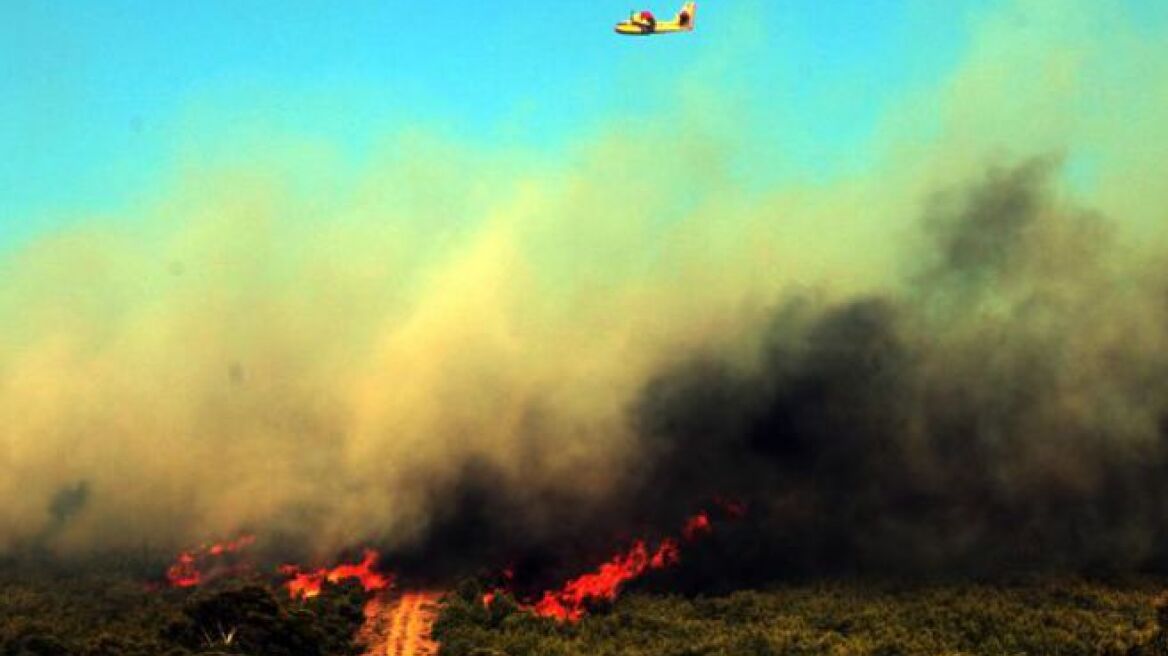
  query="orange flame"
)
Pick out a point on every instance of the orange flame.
point(603, 584)
point(696, 526)
point(187, 569)
point(306, 585)
point(184, 573)
point(232, 546)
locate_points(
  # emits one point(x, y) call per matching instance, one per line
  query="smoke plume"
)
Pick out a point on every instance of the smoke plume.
point(1008, 407)
point(953, 358)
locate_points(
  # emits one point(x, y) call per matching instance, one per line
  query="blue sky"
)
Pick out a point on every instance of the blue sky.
point(101, 97)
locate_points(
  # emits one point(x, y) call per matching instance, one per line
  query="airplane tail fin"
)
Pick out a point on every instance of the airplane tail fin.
point(687, 15)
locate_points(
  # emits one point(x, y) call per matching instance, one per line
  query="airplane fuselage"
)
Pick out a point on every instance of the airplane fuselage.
point(630, 28)
point(643, 24)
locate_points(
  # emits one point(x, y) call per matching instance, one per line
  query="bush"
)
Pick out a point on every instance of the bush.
point(44, 613)
point(1066, 617)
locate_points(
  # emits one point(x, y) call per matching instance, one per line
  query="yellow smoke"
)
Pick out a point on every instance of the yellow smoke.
point(240, 354)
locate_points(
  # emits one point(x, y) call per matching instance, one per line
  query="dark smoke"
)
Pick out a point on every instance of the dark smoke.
point(1006, 412)
point(68, 501)
point(1004, 409)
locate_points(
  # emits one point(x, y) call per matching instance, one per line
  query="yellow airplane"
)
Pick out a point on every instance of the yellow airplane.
point(642, 23)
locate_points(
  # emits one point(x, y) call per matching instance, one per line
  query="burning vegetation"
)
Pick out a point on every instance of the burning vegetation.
point(193, 567)
point(1002, 411)
point(308, 584)
point(570, 602)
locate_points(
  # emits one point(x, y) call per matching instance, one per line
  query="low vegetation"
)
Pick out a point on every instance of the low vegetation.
point(76, 614)
point(1064, 618)
point(80, 613)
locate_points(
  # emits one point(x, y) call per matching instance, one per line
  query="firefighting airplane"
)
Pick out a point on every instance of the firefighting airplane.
point(642, 23)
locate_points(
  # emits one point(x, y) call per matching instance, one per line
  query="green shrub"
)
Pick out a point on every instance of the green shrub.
point(1057, 617)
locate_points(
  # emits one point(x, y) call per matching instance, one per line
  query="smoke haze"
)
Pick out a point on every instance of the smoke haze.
point(955, 358)
point(1005, 408)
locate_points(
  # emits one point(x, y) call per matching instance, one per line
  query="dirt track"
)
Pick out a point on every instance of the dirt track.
point(407, 620)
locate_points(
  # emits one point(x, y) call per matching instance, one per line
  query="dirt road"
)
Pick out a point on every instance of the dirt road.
point(407, 620)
